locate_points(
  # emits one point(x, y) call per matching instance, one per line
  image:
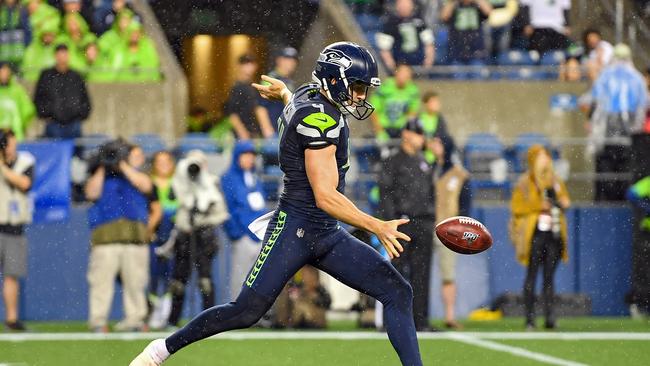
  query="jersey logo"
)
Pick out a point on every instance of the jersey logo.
point(319, 120)
point(337, 58)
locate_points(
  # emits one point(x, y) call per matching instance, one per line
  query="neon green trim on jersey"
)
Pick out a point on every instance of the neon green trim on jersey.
point(267, 249)
point(320, 120)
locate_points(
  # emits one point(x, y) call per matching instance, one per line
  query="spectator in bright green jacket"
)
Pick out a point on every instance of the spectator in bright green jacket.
point(433, 123)
point(15, 31)
point(98, 69)
point(16, 108)
point(40, 13)
point(112, 40)
point(137, 60)
point(76, 35)
point(395, 101)
point(39, 54)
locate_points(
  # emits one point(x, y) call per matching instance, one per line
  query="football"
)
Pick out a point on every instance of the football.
point(464, 235)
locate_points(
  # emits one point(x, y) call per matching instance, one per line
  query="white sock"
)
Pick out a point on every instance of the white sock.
point(158, 351)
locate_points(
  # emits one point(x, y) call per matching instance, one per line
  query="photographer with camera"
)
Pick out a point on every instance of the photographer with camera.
point(201, 208)
point(118, 221)
point(16, 173)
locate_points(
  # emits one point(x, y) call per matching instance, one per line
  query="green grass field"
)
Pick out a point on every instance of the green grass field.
point(579, 341)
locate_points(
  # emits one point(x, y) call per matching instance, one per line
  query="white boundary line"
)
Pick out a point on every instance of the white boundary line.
point(271, 335)
point(515, 351)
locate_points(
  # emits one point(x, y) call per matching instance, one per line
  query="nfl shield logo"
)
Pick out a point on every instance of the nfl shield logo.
point(300, 233)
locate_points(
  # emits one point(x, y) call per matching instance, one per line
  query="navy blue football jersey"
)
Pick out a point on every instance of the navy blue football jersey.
point(310, 121)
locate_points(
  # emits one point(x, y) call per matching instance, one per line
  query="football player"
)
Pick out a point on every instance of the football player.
point(304, 229)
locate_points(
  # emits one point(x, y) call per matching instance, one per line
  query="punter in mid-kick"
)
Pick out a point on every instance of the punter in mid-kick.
point(314, 156)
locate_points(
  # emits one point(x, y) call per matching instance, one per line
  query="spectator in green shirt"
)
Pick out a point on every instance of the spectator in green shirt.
point(15, 32)
point(39, 55)
point(433, 122)
point(395, 101)
point(97, 67)
point(137, 59)
point(41, 13)
point(111, 40)
point(76, 35)
point(16, 108)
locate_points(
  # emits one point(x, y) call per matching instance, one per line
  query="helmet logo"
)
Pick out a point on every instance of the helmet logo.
point(337, 58)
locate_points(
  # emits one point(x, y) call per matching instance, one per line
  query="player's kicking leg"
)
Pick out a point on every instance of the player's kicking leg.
point(281, 256)
point(362, 268)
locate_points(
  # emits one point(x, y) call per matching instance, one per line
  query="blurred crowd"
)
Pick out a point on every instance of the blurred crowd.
point(154, 220)
point(105, 40)
point(483, 32)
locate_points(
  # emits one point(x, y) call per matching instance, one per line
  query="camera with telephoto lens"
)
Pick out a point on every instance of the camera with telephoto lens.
point(193, 171)
point(111, 154)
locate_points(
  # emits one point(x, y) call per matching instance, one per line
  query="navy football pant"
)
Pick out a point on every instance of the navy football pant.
point(290, 243)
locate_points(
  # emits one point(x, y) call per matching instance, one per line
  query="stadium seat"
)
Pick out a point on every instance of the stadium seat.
point(88, 144)
point(149, 142)
point(520, 64)
point(367, 156)
point(442, 44)
point(564, 102)
point(552, 58)
point(481, 150)
point(519, 152)
point(198, 141)
point(476, 69)
point(516, 57)
point(271, 182)
point(551, 62)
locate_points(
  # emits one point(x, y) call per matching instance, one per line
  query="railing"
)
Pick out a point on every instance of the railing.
point(153, 73)
point(578, 164)
point(494, 72)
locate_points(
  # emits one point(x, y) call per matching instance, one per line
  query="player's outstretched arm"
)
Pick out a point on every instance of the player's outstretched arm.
point(274, 89)
point(323, 178)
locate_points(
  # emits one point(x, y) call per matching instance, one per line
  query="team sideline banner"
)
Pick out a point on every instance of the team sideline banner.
point(51, 186)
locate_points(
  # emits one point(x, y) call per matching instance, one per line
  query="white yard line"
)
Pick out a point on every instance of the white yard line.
point(271, 335)
point(515, 351)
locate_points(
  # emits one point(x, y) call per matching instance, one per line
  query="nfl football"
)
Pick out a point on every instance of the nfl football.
point(464, 235)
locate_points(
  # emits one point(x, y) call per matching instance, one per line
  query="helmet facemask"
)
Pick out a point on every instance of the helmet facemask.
point(359, 109)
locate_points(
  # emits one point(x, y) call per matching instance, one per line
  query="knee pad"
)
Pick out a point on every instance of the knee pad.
point(205, 285)
point(176, 287)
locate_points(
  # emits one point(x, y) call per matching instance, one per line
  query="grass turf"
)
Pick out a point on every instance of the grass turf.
point(591, 352)
point(342, 352)
point(252, 352)
point(577, 324)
